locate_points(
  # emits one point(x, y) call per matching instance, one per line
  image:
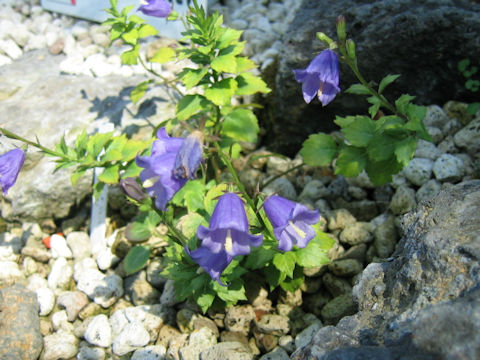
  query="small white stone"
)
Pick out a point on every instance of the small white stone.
point(132, 336)
point(20, 34)
point(72, 65)
point(60, 274)
point(59, 247)
point(103, 290)
point(99, 332)
point(5, 60)
point(35, 42)
point(36, 281)
point(60, 345)
point(90, 353)
point(427, 150)
point(46, 300)
point(151, 352)
point(10, 48)
point(10, 272)
point(106, 259)
point(419, 171)
point(118, 321)
point(60, 321)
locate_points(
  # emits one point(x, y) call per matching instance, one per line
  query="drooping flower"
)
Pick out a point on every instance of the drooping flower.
point(158, 176)
point(158, 8)
point(132, 189)
point(321, 78)
point(226, 237)
point(10, 164)
point(189, 156)
point(291, 222)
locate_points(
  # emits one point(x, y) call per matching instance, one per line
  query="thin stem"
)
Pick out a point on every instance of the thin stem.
point(178, 237)
point(165, 81)
point(12, 135)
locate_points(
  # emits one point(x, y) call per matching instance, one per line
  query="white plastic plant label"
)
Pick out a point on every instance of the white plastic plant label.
point(94, 10)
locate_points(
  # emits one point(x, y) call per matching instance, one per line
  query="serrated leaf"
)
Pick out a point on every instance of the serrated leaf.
point(381, 172)
point(260, 256)
point(205, 300)
point(273, 275)
point(96, 143)
point(146, 30)
point(191, 196)
point(376, 103)
point(113, 152)
point(190, 105)
point(344, 121)
point(126, 10)
point(244, 64)
point(360, 131)
point(285, 262)
point(81, 143)
point(211, 197)
point(189, 223)
point(358, 89)
point(142, 226)
point(163, 55)
point(191, 77)
point(294, 283)
point(221, 93)
point(130, 57)
point(381, 147)
point(405, 149)
point(225, 63)
point(231, 294)
point(315, 253)
point(351, 161)
point(137, 93)
point(241, 125)
point(131, 37)
point(319, 150)
point(403, 102)
point(387, 80)
point(228, 37)
point(132, 170)
point(110, 175)
point(132, 148)
point(116, 31)
point(249, 84)
point(234, 49)
point(136, 259)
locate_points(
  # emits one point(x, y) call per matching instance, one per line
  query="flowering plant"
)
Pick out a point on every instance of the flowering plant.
point(221, 236)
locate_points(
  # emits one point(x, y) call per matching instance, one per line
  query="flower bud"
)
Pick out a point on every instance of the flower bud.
point(350, 47)
point(132, 189)
point(324, 38)
point(341, 28)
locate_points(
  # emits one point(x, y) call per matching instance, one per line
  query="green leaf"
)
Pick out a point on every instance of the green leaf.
point(141, 228)
point(191, 77)
point(260, 256)
point(76, 176)
point(163, 55)
point(190, 105)
point(244, 64)
point(132, 148)
point(137, 93)
point(273, 275)
point(249, 84)
point(231, 147)
point(360, 131)
point(110, 175)
point(358, 89)
point(132, 170)
point(81, 143)
point(315, 253)
point(387, 80)
point(146, 30)
point(221, 93)
point(97, 189)
point(343, 122)
point(351, 161)
point(376, 103)
point(136, 19)
point(463, 65)
point(380, 172)
point(403, 102)
point(113, 152)
point(229, 37)
point(231, 294)
point(191, 195)
point(295, 282)
point(189, 223)
point(224, 63)
point(131, 37)
point(241, 125)
point(319, 150)
point(136, 259)
point(285, 262)
point(381, 147)
point(405, 149)
point(205, 300)
point(130, 57)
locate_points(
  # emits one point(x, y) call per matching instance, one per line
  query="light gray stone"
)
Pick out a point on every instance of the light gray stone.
point(427, 150)
point(306, 335)
point(468, 138)
point(403, 200)
point(73, 302)
point(150, 352)
point(448, 168)
point(90, 353)
point(313, 191)
point(338, 219)
point(60, 345)
point(99, 332)
point(59, 247)
point(273, 324)
point(356, 233)
point(419, 171)
point(276, 354)
point(435, 116)
point(79, 243)
point(60, 274)
point(46, 300)
point(231, 350)
point(428, 190)
point(132, 336)
point(281, 186)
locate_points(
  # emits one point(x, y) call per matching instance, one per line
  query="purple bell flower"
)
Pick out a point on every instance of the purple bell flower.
point(321, 78)
point(226, 237)
point(158, 8)
point(189, 156)
point(158, 176)
point(10, 164)
point(291, 222)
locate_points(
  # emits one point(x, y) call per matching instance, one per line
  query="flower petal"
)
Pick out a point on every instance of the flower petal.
point(10, 164)
point(212, 263)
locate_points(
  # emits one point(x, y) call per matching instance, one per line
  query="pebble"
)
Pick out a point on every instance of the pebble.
point(46, 300)
point(356, 233)
point(385, 237)
point(306, 335)
point(99, 332)
point(338, 219)
point(59, 247)
point(282, 187)
point(403, 200)
point(337, 308)
point(468, 138)
point(345, 267)
point(273, 324)
point(79, 243)
point(60, 274)
point(276, 354)
point(132, 336)
point(419, 171)
point(151, 352)
point(73, 302)
point(428, 190)
point(60, 345)
point(448, 168)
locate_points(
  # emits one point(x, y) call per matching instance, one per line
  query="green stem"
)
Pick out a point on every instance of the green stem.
point(178, 237)
point(12, 135)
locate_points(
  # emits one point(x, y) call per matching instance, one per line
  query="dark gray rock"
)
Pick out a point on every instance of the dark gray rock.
point(425, 302)
point(421, 40)
point(20, 336)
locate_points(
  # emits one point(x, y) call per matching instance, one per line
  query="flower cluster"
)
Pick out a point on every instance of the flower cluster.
point(320, 78)
point(10, 164)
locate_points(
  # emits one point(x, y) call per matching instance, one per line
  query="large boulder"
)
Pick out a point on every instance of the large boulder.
point(38, 101)
point(423, 40)
point(425, 302)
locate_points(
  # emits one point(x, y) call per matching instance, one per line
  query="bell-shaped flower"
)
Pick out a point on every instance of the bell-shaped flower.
point(10, 164)
point(131, 188)
point(189, 156)
point(226, 237)
point(158, 176)
point(212, 263)
point(291, 222)
point(320, 78)
point(158, 8)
